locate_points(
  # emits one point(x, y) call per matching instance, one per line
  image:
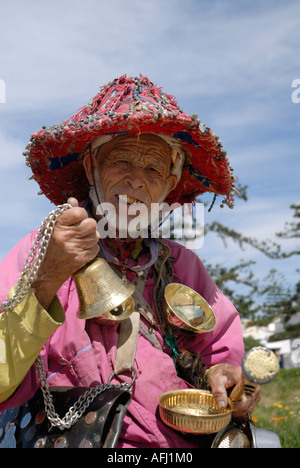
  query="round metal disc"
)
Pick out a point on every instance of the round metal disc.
point(260, 365)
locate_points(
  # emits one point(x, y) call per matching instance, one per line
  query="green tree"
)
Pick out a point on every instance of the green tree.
point(259, 301)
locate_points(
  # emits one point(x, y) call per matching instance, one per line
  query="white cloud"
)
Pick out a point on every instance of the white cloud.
point(67, 48)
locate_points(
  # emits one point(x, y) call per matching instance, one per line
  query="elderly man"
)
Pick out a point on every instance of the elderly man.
point(130, 145)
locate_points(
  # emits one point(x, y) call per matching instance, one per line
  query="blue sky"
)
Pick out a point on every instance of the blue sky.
point(231, 62)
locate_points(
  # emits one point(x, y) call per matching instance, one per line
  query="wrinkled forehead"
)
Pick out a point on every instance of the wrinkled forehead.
point(136, 146)
point(160, 147)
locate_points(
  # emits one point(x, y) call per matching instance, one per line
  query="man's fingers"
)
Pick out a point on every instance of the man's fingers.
point(218, 388)
point(73, 216)
point(87, 227)
point(73, 201)
point(222, 378)
point(221, 400)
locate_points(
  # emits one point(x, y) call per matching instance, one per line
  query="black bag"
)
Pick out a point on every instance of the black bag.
point(99, 427)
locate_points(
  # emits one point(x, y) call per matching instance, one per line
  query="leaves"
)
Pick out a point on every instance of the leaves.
point(261, 301)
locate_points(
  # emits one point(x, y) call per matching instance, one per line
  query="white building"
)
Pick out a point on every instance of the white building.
point(288, 351)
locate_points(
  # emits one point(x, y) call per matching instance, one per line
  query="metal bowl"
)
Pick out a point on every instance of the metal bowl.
point(187, 310)
point(193, 411)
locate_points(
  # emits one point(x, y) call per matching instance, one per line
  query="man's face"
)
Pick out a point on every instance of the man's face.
point(130, 173)
point(138, 167)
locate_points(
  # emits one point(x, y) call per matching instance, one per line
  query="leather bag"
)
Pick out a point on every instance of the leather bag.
point(99, 426)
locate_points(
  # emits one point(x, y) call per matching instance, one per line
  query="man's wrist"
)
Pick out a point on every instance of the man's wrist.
point(45, 291)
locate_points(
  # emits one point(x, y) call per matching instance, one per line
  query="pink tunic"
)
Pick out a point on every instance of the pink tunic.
point(82, 353)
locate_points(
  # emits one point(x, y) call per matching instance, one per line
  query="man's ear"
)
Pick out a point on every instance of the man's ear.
point(171, 182)
point(86, 162)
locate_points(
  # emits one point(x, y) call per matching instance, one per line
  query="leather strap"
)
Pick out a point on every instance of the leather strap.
point(130, 328)
point(127, 343)
point(128, 336)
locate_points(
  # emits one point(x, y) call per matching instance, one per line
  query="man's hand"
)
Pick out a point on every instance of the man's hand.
point(74, 243)
point(226, 376)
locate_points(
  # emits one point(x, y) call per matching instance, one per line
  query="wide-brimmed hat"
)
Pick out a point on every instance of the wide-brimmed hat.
point(128, 106)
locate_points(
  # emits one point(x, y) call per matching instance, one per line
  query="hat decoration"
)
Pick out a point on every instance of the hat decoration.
point(128, 106)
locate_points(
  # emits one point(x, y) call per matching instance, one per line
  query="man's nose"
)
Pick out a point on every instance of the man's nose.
point(136, 178)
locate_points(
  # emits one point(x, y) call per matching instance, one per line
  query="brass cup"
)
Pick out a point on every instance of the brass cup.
point(193, 411)
point(187, 310)
point(102, 293)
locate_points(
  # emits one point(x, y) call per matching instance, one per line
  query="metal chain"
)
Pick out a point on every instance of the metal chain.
point(32, 264)
point(77, 410)
point(34, 258)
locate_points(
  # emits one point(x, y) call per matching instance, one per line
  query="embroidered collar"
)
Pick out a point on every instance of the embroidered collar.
point(143, 261)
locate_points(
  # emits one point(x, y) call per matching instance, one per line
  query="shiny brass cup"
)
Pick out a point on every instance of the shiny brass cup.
point(193, 411)
point(187, 310)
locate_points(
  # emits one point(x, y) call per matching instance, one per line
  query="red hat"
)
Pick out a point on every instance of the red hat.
point(128, 106)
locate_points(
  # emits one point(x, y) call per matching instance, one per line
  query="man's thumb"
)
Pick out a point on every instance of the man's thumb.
point(73, 202)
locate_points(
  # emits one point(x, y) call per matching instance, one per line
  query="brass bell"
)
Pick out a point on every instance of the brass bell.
point(187, 310)
point(102, 293)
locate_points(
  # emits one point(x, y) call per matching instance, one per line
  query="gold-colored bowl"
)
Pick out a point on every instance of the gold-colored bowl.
point(187, 310)
point(193, 411)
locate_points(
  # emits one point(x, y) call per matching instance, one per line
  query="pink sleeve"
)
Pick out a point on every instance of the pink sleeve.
point(225, 342)
point(11, 268)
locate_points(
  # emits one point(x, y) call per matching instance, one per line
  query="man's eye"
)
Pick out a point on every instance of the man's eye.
point(154, 171)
